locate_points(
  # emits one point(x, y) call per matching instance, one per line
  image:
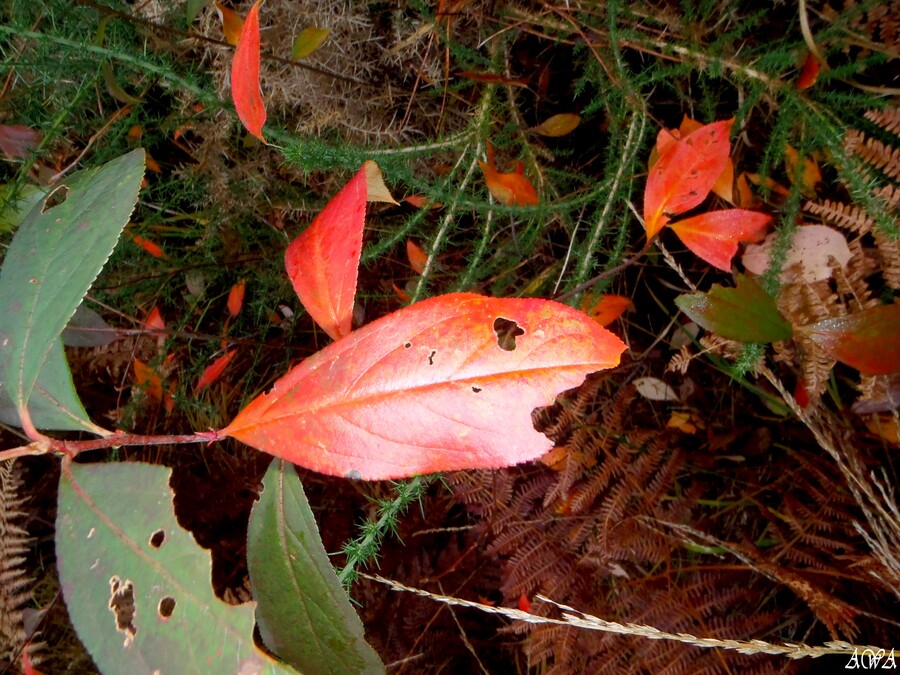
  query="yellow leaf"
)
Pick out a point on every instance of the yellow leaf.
point(886, 427)
point(809, 175)
point(685, 421)
point(558, 125)
point(309, 40)
point(232, 23)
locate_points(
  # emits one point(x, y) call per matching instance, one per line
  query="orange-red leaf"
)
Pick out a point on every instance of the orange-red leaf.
point(447, 383)
point(524, 603)
point(684, 174)
point(714, 236)
point(512, 189)
point(417, 257)
point(809, 73)
point(154, 320)
point(150, 247)
point(868, 341)
point(236, 297)
point(148, 380)
point(214, 370)
point(245, 76)
point(322, 263)
point(606, 309)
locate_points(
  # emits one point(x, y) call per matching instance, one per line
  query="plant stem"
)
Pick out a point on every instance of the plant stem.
point(74, 448)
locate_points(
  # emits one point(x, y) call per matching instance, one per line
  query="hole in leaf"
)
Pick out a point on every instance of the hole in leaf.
point(407, 345)
point(157, 538)
point(354, 474)
point(166, 607)
point(476, 389)
point(506, 331)
point(55, 198)
point(431, 357)
point(121, 604)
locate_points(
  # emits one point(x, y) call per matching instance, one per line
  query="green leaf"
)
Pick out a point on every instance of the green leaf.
point(138, 588)
point(868, 341)
point(193, 7)
point(14, 207)
point(304, 614)
point(746, 313)
point(54, 257)
point(308, 41)
point(53, 403)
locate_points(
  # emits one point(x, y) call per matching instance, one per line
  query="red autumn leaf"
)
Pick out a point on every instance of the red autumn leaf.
point(214, 370)
point(245, 76)
point(150, 247)
point(524, 603)
point(868, 341)
point(418, 259)
point(447, 383)
point(322, 263)
point(714, 236)
point(724, 185)
point(512, 189)
point(809, 73)
point(236, 298)
point(17, 142)
point(606, 309)
point(684, 174)
point(154, 320)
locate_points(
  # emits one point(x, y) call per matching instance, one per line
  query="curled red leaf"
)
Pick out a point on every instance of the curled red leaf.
point(245, 91)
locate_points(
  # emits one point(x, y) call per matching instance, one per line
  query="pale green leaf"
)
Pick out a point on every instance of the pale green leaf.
point(54, 257)
point(138, 588)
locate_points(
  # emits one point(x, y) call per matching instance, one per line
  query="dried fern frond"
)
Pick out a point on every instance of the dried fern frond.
point(15, 584)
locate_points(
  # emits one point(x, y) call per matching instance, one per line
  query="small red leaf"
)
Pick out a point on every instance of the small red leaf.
point(154, 320)
point(524, 603)
point(447, 383)
point(418, 259)
point(512, 189)
point(684, 174)
point(868, 341)
point(150, 247)
point(236, 298)
point(323, 262)
point(809, 73)
point(17, 142)
point(214, 370)
point(714, 236)
point(245, 76)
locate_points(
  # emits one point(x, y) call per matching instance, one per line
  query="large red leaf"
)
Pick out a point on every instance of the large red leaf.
point(322, 263)
point(684, 174)
point(714, 236)
point(868, 341)
point(245, 76)
point(448, 383)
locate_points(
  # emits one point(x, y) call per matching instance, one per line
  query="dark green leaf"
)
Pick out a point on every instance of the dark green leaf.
point(746, 313)
point(119, 548)
point(304, 614)
point(54, 257)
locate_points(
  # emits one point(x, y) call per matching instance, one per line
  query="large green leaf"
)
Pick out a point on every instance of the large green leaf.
point(54, 257)
point(53, 403)
point(137, 586)
point(304, 614)
point(746, 313)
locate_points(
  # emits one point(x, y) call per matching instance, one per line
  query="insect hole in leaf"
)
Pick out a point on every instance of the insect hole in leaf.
point(507, 331)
